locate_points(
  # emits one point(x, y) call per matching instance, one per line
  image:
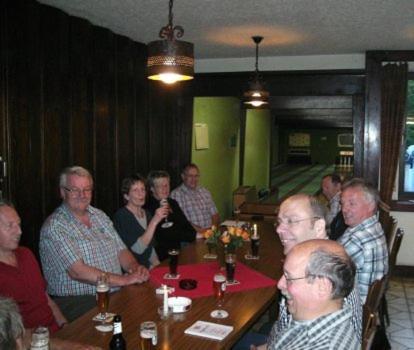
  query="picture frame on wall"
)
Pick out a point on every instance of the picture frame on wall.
point(201, 136)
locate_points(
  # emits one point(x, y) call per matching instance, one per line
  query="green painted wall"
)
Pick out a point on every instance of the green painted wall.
point(257, 148)
point(324, 147)
point(219, 164)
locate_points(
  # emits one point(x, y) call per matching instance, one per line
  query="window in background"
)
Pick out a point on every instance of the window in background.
point(406, 183)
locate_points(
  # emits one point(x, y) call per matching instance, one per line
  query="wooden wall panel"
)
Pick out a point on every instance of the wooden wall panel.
point(73, 93)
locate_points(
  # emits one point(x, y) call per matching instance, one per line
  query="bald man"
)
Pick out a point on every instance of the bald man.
point(317, 276)
point(301, 218)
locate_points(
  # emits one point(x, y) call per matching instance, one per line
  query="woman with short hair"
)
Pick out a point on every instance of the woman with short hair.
point(134, 224)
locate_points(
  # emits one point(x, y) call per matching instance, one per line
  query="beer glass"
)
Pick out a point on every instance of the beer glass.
point(173, 263)
point(219, 288)
point(166, 223)
point(148, 335)
point(230, 260)
point(255, 242)
point(237, 212)
point(40, 338)
point(102, 295)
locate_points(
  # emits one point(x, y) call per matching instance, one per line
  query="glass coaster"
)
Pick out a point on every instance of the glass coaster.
point(210, 256)
point(232, 283)
point(167, 276)
point(104, 328)
point(219, 314)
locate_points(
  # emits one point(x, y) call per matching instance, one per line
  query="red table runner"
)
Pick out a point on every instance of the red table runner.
point(203, 273)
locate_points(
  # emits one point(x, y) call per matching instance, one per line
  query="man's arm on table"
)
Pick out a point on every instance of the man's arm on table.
point(81, 272)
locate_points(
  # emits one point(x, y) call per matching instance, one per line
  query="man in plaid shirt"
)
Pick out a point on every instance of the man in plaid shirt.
point(364, 239)
point(301, 218)
point(195, 201)
point(317, 275)
point(78, 243)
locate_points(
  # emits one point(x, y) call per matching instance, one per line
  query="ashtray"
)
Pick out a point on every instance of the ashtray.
point(188, 284)
point(179, 304)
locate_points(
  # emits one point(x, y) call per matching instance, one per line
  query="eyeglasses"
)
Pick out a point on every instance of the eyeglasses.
point(77, 191)
point(289, 280)
point(290, 222)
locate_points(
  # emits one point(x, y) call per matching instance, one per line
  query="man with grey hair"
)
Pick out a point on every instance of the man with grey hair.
point(78, 243)
point(317, 276)
point(11, 325)
point(364, 239)
point(301, 218)
point(13, 335)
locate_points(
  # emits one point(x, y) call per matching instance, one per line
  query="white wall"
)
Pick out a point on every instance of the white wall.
point(281, 63)
point(406, 222)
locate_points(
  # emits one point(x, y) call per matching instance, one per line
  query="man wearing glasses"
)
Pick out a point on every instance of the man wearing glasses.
point(301, 218)
point(78, 243)
point(317, 275)
point(196, 201)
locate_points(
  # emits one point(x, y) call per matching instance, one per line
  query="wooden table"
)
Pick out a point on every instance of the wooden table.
point(139, 303)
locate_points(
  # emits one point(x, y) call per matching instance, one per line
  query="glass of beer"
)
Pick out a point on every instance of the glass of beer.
point(102, 295)
point(230, 260)
point(166, 223)
point(219, 288)
point(173, 263)
point(148, 335)
point(255, 242)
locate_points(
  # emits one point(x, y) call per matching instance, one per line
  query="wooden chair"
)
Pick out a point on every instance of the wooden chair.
point(375, 293)
point(394, 249)
point(392, 261)
point(391, 233)
point(373, 303)
point(369, 327)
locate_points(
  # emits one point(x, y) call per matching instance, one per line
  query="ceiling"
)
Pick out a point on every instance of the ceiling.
point(222, 28)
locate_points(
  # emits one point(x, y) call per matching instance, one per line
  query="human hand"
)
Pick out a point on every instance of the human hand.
point(161, 213)
point(137, 274)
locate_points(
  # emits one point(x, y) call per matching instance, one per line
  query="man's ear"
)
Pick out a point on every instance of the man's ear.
point(62, 192)
point(325, 287)
point(320, 229)
point(126, 197)
point(182, 176)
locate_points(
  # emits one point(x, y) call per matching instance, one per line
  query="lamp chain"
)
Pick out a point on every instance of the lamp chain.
point(169, 32)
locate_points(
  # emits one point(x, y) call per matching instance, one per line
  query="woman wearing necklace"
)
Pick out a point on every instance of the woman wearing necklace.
point(134, 224)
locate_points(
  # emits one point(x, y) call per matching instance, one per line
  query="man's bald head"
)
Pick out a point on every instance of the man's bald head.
point(327, 259)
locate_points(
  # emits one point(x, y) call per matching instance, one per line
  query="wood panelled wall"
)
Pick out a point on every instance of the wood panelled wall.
point(73, 93)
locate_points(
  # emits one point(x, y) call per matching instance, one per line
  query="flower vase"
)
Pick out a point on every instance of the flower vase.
point(212, 249)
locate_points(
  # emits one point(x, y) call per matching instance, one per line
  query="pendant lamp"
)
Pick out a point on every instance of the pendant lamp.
point(170, 60)
point(256, 96)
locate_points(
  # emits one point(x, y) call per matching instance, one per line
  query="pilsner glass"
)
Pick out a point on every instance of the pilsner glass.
point(230, 260)
point(148, 335)
point(166, 223)
point(173, 263)
point(255, 242)
point(102, 295)
point(219, 288)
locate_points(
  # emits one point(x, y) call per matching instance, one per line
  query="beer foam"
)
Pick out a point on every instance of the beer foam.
point(102, 288)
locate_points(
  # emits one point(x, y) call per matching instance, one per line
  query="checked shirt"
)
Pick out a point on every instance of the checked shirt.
point(330, 332)
point(65, 240)
point(366, 245)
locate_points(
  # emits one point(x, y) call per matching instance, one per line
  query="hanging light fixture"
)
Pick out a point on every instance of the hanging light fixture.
point(256, 96)
point(170, 60)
